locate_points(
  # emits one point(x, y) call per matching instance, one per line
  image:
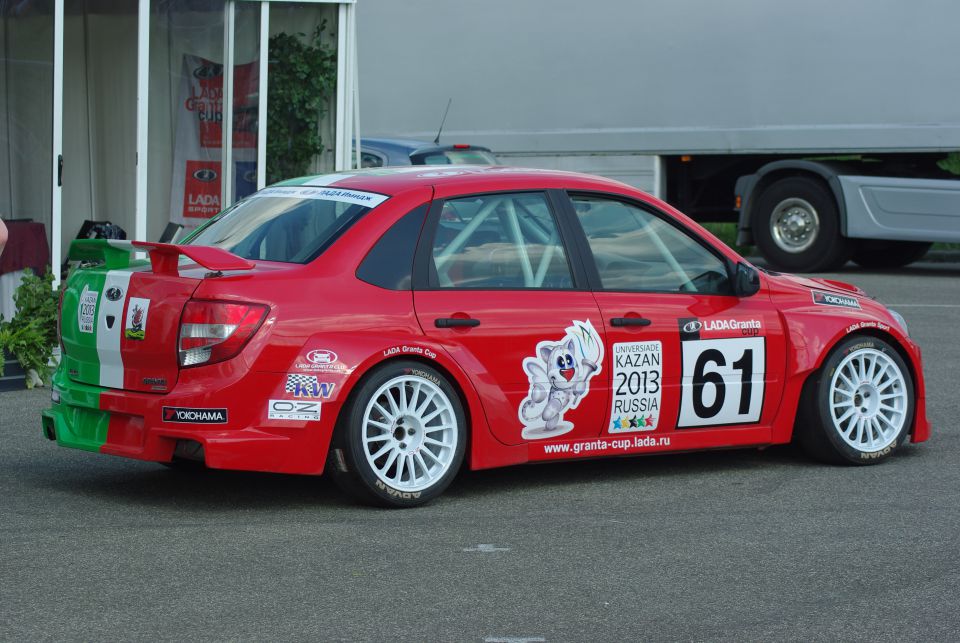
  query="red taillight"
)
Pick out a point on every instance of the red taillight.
point(212, 331)
point(461, 146)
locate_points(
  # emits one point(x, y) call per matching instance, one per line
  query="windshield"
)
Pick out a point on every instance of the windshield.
point(290, 224)
point(461, 157)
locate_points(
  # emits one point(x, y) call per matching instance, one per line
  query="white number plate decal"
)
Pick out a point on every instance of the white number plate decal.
point(87, 309)
point(723, 381)
point(637, 371)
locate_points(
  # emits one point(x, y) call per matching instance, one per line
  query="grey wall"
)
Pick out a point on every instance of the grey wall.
point(686, 75)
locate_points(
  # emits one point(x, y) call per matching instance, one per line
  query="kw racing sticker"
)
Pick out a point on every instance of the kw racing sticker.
point(308, 386)
point(722, 377)
point(637, 373)
point(559, 374)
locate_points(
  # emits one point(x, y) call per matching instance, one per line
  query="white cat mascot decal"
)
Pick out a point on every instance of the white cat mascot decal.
point(559, 377)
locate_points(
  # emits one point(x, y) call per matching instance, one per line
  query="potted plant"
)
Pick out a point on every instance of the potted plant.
point(27, 341)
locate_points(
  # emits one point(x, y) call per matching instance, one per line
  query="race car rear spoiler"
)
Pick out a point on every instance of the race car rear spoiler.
point(164, 257)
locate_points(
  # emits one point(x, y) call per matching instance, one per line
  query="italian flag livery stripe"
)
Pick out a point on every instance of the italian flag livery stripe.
point(108, 335)
point(94, 323)
point(118, 323)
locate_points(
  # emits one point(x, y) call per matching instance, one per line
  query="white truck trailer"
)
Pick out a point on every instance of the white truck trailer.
point(829, 130)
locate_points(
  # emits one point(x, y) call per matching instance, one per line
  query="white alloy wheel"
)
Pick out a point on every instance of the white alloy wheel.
point(409, 433)
point(794, 225)
point(868, 400)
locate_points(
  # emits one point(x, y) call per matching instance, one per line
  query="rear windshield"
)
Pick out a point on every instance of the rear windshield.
point(460, 157)
point(289, 224)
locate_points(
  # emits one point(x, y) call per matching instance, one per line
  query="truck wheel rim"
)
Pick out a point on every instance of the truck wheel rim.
point(409, 433)
point(868, 400)
point(794, 225)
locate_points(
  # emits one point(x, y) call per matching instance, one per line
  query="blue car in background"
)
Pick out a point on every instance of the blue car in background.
point(381, 152)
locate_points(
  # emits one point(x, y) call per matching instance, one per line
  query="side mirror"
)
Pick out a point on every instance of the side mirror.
point(746, 280)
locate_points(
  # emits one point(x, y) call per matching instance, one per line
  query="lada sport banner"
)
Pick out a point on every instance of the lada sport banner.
point(197, 174)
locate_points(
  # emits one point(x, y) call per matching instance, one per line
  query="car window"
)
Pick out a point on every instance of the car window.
point(369, 159)
point(389, 264)
point(458, 157)
point(289, 223)
point(636, 250)
point(499, 241)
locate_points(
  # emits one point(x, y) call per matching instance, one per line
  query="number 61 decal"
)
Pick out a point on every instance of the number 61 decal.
point(722, 381)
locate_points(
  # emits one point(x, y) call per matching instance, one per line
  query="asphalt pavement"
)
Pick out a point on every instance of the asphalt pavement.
point(730, 545)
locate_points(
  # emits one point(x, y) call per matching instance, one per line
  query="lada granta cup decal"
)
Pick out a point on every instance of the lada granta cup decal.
point(320, 360)
point(559, 374)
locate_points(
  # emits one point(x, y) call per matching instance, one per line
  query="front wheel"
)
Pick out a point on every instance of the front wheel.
point(859, 408)
point(796, 226)
point(402, 440)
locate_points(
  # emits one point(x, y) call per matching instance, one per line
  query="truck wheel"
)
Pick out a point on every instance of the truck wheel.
point(796, 226)
point(889, 254)
point(859, 408)
point(402, 439)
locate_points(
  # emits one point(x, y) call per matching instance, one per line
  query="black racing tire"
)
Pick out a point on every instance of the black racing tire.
point(830, 426)
point(428, 435)
point(817, 243)
point(889, 254)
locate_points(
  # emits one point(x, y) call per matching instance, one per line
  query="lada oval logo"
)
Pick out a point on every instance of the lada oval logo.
point(321, 357)
point(692, 326)
point(114, 294)
point(205, 174)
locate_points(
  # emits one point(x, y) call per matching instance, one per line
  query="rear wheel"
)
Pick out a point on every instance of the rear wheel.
point(401, 441)
point(859, 408)
point(889, 254)
point(796, 226)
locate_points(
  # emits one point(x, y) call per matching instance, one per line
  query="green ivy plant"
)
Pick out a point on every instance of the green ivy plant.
point(32, 333)
point(303, 77)
point(951, 163)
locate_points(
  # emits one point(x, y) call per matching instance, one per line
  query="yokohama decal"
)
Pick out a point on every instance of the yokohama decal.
point(832, 299)
point(185, 415)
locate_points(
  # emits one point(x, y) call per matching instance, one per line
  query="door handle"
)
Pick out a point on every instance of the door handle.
point(455, 322)
point(629, 321)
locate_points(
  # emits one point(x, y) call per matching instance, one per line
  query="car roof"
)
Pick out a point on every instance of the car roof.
point(448, 179)
point(394, 145)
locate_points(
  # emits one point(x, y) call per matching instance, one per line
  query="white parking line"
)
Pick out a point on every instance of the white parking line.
point(514, 639)
point(923, 305)
point(486, 548)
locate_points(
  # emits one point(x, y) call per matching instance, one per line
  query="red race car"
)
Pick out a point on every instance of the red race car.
point(387, 325)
